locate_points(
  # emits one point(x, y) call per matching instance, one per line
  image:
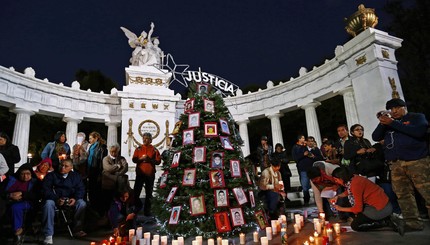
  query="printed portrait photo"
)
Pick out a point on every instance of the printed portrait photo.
point(261, 219)
point(235, 168)
point(217, 160)
point(171, 194)
point(211, 129)
point(202, 88)
point(236, 215)
point(209, 106)
point(189, 106)
point(222, 222)
point(197, 204)
point(224, 126)
point(174, 215)
point(225, 142)
point(175, 160)
point(189, 177)
point(251, 198)
point(240, 195)
point(188, 137)
point(199, 154)
point(194, 120)
point(221, 198)
point(247, 177)
point(216, 179)
point(163, 179)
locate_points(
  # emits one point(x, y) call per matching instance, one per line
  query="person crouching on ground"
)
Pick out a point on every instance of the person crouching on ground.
point(63, 188)
point(368, 202)
point(271, 189)
point(121, 214)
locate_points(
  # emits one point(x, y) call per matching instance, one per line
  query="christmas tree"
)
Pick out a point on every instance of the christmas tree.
point(207, 188)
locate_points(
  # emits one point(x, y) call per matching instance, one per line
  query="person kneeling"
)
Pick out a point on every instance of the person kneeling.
point(271, 189)
point(63, 188)
point(121, 215)
point(368, 202)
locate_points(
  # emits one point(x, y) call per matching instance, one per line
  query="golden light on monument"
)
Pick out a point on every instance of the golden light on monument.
point(361, 20)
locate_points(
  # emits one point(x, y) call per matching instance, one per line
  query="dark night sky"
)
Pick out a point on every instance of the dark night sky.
point(245, 42)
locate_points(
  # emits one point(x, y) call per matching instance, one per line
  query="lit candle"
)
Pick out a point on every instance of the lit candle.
point(337, 228)
point(224, 242)
point(194, 242)
point(312, 239)
point(155, 242)
point(199, 240)
point(141, 241)
point(147, 237)
point(306, 243)
point(164, 240)
point(316, 234)
point(302, 221)
point(181, 240)
point(139, 232)
point(322, 216)
point(156, 237)
point(273, 224)
point(316, 220)
point(174, 242)
point(330, 234)
point(93, 243)
point(211, 241)
point(255, 236)
point(133, 240)
point(118, 239)
point(242, 238)
point(292, 216)
point(318, 227)
point(284, 218)
point(218, 241)
point(269, 233)
point(296, 228)
point(264, 241)
point(130, 234)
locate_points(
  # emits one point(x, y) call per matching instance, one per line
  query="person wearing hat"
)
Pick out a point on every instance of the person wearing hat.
point(264, 151)
point(406, 151)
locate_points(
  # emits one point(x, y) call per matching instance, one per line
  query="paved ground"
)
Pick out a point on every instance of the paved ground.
point(384, 236)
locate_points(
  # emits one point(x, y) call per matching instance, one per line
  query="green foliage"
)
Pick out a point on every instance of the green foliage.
point(204, 224)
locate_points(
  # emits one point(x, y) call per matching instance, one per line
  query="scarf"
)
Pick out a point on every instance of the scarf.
point(91, 154)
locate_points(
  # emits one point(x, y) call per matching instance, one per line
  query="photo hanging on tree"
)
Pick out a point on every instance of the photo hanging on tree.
point(189, 106)
point(261, 219)
point(221, 198)
point(189, 178)
point(202, 88)
point(235, 169)
point(188, 137)
point(211, 129)
point(251, 198)
point(194, 120)
point(209, 105)
point(222, 222)
point(216, 179)
point(225, 142)
point(199, 154)
point(240, 195)
point(237, 216)
point(224, 126)
point(174, 215)
point(163, 179)
point(197, 204)
point(247, 177)
point(171, 195)
point(175, 161)
point(217, 160)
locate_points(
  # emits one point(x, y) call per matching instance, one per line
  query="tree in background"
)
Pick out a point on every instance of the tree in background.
point(94, 80)
point(189, 195)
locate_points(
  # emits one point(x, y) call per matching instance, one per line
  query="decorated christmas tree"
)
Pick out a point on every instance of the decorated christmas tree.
point(207, 188)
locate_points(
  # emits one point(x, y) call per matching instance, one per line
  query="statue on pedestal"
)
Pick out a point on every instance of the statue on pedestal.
point(146, 50)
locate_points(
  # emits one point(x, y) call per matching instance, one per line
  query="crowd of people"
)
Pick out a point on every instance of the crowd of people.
point(68, 179)
point(369, 185)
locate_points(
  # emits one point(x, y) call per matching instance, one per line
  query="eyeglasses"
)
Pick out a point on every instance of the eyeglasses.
point(65, 166)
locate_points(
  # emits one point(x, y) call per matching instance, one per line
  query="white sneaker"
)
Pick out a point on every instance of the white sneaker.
point(48, 240)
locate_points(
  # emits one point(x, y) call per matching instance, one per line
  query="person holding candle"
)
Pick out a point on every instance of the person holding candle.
point(57, 150)
point(270, 188)
point(43, 168)
point(121, 213)
point(146, 156)
point(80, 154)
point(368, 202)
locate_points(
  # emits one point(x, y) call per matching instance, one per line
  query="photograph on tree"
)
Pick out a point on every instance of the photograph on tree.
point(188, 137)
point(216, 179)
point(197, 204)
point(237, 216)
point(222, 222)
point(174, 216)
point(189, 177)
point(235, 169)
point(194, 120)
point(211, 129)
point(199, 154)
point(221, 198)
point(217, 160)
point(224, 126)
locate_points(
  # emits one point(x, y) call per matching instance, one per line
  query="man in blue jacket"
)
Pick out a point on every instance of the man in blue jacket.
point(62, 188)
point(404, 136)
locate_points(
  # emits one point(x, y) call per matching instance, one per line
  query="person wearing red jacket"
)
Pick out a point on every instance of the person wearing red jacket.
point(146, 156)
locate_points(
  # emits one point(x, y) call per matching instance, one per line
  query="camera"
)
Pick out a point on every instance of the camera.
point(383, 113)
point(66, 201)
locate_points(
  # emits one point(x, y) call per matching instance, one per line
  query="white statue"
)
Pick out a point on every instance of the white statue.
point(146, 50)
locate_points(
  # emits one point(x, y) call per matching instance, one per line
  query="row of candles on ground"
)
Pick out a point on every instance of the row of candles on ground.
point(319, 224)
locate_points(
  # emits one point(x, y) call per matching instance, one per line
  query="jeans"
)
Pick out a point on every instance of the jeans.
point(148, 181)
point(306, 185)
point(388, 189)
point(48, 214)
point(18, 210)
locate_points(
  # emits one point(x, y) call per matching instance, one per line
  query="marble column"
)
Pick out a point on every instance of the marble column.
point(276, 128)
point(71, 130)
point(21, 133)
point(312, 121)
point(350, 107)
point(243, 131)
point(112, 135)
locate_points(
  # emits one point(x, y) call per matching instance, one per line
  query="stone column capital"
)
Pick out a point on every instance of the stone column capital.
point(346, 90)
point(113, 123)
point(314, 104)
point(242, 121)
point(18, 110)
point(72, 120)
point(274, 115)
